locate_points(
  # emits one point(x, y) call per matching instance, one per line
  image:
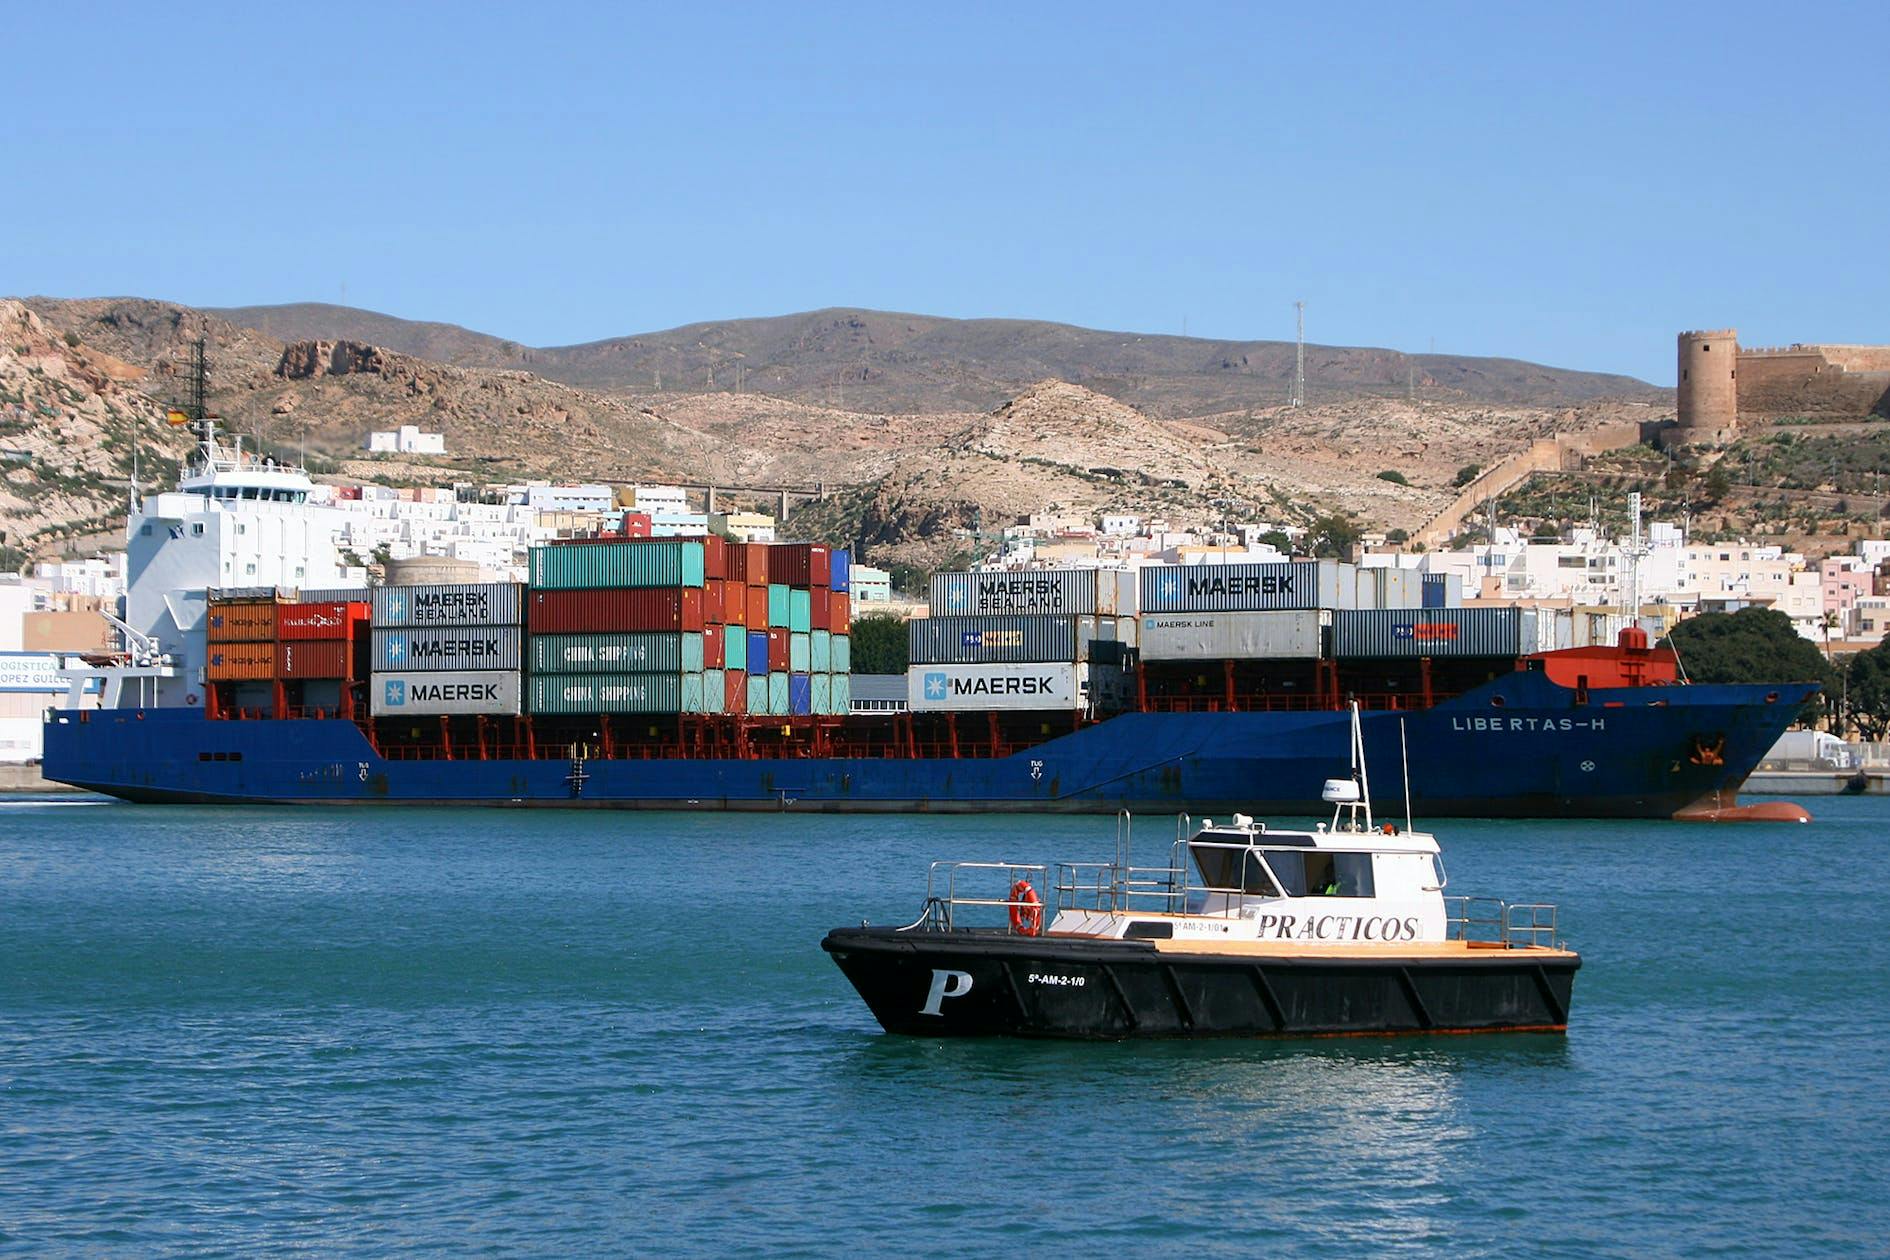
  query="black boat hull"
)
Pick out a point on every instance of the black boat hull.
point(981, 984)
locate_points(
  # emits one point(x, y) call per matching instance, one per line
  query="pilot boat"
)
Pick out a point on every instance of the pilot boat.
point(1249, 930)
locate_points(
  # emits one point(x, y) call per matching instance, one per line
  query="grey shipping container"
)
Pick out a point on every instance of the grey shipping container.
point(1053, 592)
point(1284, 635)
point(429, 695)
point(991, 640)
point(459, 647)
point(1496, 632)
point(627, 653)
point(1248, 587)
point(457, 604)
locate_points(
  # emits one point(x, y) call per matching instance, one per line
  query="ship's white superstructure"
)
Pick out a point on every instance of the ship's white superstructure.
point(235, 520)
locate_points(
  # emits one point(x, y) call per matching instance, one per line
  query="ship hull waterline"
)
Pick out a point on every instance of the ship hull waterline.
point(986, 983)
point(1521, 750)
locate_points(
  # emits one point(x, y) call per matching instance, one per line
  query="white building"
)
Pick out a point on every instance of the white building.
point(659, 500)
point(548, 498)
point(407, 440)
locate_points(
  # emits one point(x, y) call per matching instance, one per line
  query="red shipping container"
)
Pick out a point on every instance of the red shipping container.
point(757, 607)
point(636, 525)
point(819, 610)
point(314, 658)
point(714, 557)
point(758, 563)
point(778, 646)
point(735, 691)
point(714, 598)
point(799, 564)
point(738, 564)
point(318, 621)
point(714, 647)
point(840, 612)
point(581, 612)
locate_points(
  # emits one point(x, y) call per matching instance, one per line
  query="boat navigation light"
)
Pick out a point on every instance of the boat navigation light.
point(1341, 792)
point(1243, 821)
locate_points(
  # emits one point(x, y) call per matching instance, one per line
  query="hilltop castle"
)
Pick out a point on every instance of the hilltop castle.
point(1721, 384)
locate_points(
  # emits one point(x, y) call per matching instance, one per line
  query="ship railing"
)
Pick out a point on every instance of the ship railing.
point(1111, 888)
point(1493, 921)
point(944, 901)
point(1275, 702)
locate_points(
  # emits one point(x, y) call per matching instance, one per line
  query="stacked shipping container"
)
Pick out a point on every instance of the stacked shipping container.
point(450, 649)
point(1033, 640)
point(688, 626)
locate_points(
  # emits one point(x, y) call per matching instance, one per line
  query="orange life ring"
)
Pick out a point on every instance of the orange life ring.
point(1026, 909)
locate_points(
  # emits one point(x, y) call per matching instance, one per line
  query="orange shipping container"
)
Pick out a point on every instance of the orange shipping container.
point(757, 564)
point(757, 607)
point(248, 622)
point(313, 658)
point(241, 662)
point(839, 612)
point(714, 595)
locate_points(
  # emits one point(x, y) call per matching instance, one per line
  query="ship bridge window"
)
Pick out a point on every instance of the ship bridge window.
point(1323, 874)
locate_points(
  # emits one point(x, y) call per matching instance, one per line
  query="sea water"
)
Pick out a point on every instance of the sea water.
point(461, 1032)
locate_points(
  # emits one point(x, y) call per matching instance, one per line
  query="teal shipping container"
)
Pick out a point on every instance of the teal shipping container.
point(842, 693)
point(609, 693)
point(589, 566)
point(823, 693)
point(758, 695)
point(842, 654)
point(735, 647)
point(778, 694)
point(652, 653)
point(800, 611)
point(821, 659)
point(800, 650)
point(714, 693)
point(693, 698)
point(779, 606)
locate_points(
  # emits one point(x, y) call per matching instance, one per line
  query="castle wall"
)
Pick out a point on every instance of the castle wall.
point(1825, 382)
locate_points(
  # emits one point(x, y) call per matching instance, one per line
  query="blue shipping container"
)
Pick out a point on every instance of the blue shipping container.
point(800, 695)
point(840, 573)
point(758, 652)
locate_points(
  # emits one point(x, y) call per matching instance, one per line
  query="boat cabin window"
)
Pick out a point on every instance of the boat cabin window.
point(1149, 930)
point(1315, 874)
point(1222, 870)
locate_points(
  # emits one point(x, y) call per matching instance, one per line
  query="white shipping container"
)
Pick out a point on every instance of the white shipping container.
point(455, 604)
point(1294, 635)
point(978, 687)
point(432, 694)
point(1390, 588)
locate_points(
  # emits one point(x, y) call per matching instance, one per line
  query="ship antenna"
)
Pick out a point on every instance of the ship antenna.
point(1358, 764)
point(1404, 755)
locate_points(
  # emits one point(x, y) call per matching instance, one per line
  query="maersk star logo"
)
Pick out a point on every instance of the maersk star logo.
point(1170, 587)
point(396, 607)
point(935, 686)
point(396, 692)
point(959, 595)
point(396, 648)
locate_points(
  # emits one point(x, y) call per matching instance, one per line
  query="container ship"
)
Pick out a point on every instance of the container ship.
point(705, 673)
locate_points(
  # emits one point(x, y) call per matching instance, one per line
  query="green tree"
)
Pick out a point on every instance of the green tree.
point(1278, 541)
point(1753, 645)
point(1718, 484)
point(879, 644)
point(1868, 693)
point(1394, 477)
point(1334, 536)
point(1466, 475)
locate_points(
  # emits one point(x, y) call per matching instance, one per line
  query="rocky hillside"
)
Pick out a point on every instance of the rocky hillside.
point(72, 428)
point(911, 478)
point(882, 361)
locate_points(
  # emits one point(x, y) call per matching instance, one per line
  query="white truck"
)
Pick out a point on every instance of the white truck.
point(1811, 750)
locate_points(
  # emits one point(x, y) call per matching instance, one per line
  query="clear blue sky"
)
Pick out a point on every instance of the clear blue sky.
point(1565, 183)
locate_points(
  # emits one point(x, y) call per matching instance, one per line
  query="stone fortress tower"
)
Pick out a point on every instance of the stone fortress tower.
point(1720, 386)
point(1708, 380)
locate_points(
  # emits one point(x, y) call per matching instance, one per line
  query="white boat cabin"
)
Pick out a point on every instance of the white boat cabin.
point(1348, 884)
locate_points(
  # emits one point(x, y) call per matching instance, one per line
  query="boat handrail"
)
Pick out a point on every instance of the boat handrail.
point(1493, 921)
point(941, 912)
point(1109, 887)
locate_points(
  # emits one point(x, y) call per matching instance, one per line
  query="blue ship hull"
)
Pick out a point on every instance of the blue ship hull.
point(1520, 746)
